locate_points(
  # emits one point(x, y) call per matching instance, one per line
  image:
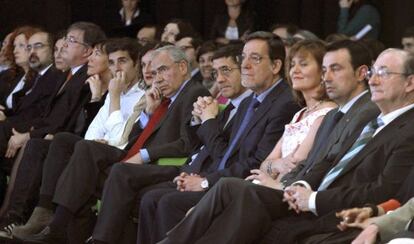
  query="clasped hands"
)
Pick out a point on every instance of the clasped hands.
point(188, 182)
point(205, 108)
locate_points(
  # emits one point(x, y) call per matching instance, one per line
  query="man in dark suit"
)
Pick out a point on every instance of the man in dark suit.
point(270, 107)
point(160, 132)
point(126, 180)
point(371, 167)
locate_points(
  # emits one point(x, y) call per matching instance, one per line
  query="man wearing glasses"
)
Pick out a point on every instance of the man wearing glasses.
point(258, 125)
point(189, 45)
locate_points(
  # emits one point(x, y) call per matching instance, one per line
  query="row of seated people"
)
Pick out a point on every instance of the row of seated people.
point(251, 138)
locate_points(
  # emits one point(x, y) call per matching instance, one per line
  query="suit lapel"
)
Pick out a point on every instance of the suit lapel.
point(384, 135)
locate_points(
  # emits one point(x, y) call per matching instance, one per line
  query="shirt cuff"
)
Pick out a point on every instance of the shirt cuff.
point(143, 119)
point(312, 203)
point(302, 183)
point(145, 156)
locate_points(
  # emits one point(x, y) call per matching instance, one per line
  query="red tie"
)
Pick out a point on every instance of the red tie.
point(146, 133)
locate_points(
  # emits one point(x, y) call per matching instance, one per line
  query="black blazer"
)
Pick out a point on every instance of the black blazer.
point(203, 162)
point(28, 107)
point(375, 174)
point(171, 137)
point(61, 114)
point(258, 139)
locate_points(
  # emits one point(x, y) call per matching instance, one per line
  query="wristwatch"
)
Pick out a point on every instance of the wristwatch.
point(204, 184)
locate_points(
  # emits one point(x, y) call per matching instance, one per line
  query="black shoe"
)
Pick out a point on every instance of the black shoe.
point(9, 222)
point(48, 236)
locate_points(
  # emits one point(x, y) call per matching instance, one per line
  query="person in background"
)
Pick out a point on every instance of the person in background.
point(204, 56)
point(355, 15)
point(232, 25)
point(175, 30)
point(407, 39)
point(4, 61)
point(148, 33)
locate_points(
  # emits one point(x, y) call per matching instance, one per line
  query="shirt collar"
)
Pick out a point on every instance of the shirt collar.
point(43, 71)
point(388, 118)
point(236, 101)
point(194, 71)
point(121, 12)
point(135, 88)
point(344, 109)
point(75, 69)
point(179, 91)
point(264, 94)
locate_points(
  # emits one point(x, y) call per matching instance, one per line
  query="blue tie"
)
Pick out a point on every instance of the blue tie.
point(359, 144)
point(247, 117)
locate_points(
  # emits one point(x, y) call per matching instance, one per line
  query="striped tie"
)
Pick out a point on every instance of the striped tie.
point(358, 145)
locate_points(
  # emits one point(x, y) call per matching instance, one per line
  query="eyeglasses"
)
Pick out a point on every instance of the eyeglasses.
point(224, 71)
point(162, 70)
point(185, 48)
point(35, 47)
point(72, 40)
point(254, 58)
point(382, 73)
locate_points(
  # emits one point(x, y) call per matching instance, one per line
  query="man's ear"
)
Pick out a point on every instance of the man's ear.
point(409, 87)
point(361, 72)
point(277, 66)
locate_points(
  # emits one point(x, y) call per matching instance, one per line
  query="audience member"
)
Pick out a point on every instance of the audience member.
point(148, 33)
point(205, 53)
point(189, 45)
point(5, 62)
point(259, 124)
point(236, 23)
point(59, 63)
point(407, 39)
point(161, 131)
point(355, 15)
point(176, 29)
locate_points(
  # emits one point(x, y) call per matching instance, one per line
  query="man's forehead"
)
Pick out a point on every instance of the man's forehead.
point(255, 46)
point(41, 36)
point(224, 61)
point(338, 56)
point(75, 33)
point(161, 59)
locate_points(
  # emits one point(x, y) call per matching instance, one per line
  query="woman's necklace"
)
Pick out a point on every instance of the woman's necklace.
point(316, 105)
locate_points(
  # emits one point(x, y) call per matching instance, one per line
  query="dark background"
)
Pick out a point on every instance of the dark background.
point(318, 16)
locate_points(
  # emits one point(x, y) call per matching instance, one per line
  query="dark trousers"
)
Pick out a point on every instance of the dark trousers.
point(120, 195)
point(83, 178)
point(25, 192)
point(57, 159)
point(162, 207)
point(233, 211)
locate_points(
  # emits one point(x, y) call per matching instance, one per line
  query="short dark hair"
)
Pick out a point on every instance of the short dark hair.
point(131, 46)
point(185, 28)
point(359, 53)
point(291, 29)
point(232, 51)
point(206, 47)
point(409, 32)
point(92, 33)
point(274, 44)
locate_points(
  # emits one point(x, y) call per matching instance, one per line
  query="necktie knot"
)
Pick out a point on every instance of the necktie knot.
point(376, 123)
point(338, 116)
point(255, 103)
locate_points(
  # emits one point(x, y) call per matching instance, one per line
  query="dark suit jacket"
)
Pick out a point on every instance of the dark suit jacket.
point(28, 107)
point(258, 139)
point(327, 149)
point(375, 174)
point(170, 137)
point(62, 111)
point(203, 162)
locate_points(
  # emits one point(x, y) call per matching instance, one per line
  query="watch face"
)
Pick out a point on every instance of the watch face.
point(204, 184)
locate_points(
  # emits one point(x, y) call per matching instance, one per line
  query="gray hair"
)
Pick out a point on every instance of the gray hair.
point(408, 65)
point(175, 53)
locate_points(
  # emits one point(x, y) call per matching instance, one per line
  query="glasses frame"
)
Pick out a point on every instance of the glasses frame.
point(382, 73)
point(224, 71)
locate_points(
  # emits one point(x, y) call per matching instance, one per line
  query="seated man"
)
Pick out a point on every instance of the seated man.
point(371, 167)
point(126, 180)
point(259, 124)
point(161, 131)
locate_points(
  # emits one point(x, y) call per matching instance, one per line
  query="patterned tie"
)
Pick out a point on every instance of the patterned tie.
point(247, 117)
point(146, 133)
point(359, 144)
